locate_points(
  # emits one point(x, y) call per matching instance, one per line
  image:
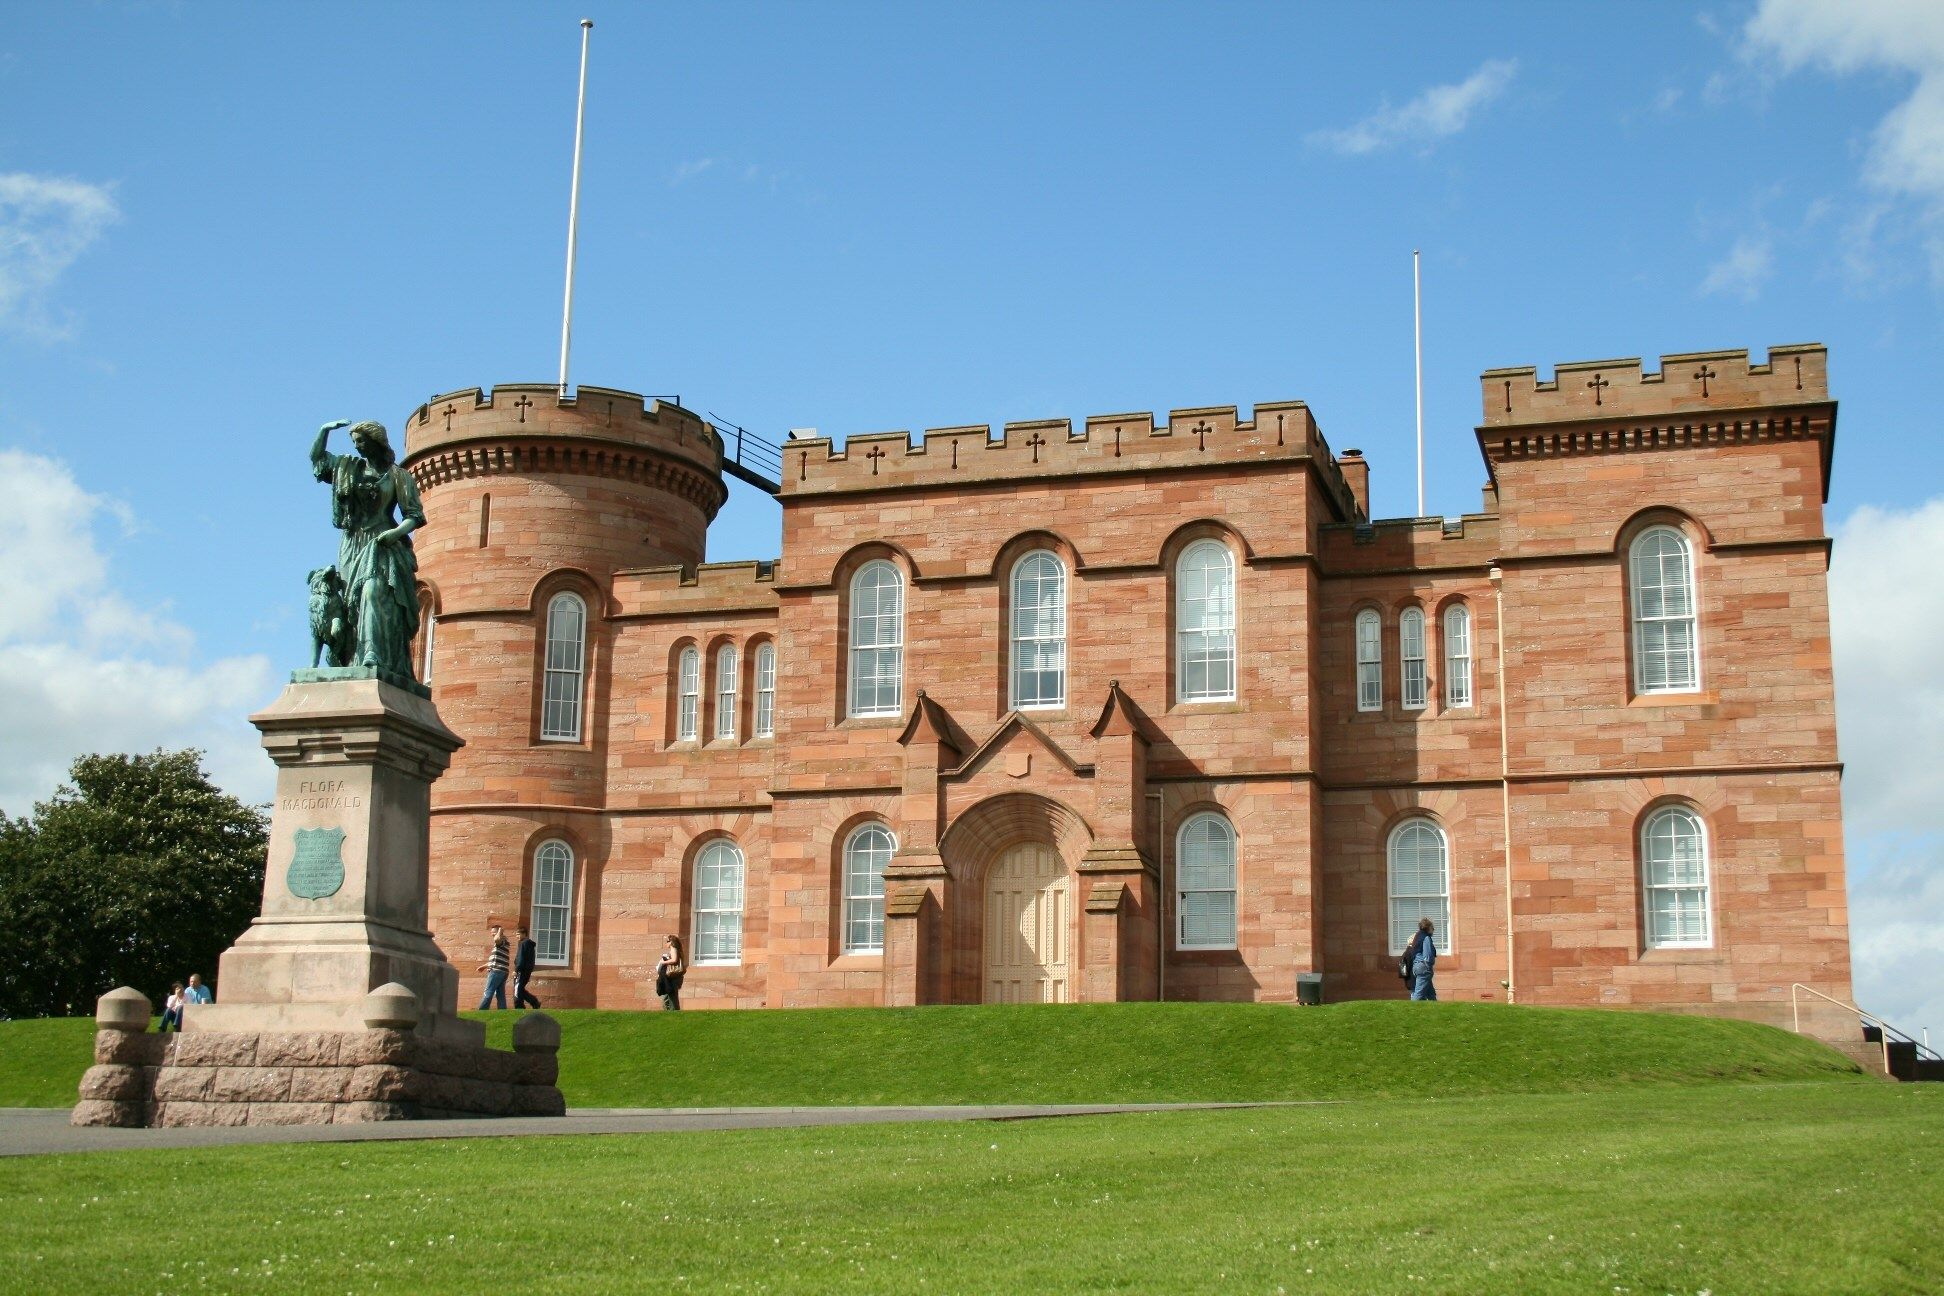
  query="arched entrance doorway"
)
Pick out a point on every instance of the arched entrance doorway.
point(1028, 923)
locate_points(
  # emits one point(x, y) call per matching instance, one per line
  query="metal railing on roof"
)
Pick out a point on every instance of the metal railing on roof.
point(748, 456)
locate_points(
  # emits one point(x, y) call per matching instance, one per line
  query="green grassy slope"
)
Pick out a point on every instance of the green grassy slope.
point(41, 1060)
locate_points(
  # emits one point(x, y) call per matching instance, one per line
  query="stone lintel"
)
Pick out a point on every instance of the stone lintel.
point(1104, 859)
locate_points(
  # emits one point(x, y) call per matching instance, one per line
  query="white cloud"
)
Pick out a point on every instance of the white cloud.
point(690, 169)
point(1743, 271)
point(84, 670)
point(1885, 625)
point(46, 222)
point(1439, 112)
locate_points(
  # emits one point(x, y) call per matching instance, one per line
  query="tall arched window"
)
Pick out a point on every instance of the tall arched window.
point(718, 903)
point(1458, 656)
point(560, 709)
point(866, 855)
point(1370, 661)
point(1667, 653)
point(1039, 631)
point(725, 702)
point(1205, 883)
point(1674, 857)
point(1410, 654)
point(1205, 623)
point(688, 693)
point(766, 690)
point(1420, 882)
point(553, 903)
point(877, 640)
point(428, 631)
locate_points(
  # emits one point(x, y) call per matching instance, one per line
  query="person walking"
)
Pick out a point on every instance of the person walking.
point(669, 973)
point(1422, 955)
point(172, 1008)
point(495, 968)
point(524, 955)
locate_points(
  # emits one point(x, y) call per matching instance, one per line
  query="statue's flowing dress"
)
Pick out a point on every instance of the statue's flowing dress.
point(380, 579)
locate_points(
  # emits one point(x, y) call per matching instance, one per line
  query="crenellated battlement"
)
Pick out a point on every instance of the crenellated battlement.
point(1691, 382)
point(1212, 436)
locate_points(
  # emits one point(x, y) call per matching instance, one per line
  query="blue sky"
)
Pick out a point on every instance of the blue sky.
point(223, 225)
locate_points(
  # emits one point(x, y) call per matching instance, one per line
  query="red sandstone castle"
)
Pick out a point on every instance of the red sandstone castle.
point(1129, 711)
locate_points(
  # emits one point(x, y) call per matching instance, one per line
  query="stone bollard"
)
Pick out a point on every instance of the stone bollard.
point(536, 1049)
point(391, 1007)
point(115, 1091)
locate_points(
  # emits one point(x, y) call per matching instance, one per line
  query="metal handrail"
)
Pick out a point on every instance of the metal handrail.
point(1885, 1029)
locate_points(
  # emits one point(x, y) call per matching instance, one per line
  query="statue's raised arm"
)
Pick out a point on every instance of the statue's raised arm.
point(320, 457)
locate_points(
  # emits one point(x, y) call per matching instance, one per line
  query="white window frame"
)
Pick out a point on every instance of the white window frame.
point(1370, 660)
point(562, 693)
point(876, 641)
point(1414, 691)
point(430, 620)
point(1206, 614)
point(1210, 886)
point(1649, 888)
point(726, 692)
point(553, 903)
point(716, 899)
point(867, 853)
point(765, 726)
point(1405, 908)
point(1038, 631)
point(1458, 657)
point(1658, 578)
point(688, 694)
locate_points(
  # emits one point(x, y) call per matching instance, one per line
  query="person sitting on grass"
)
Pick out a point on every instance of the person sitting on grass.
point(172, 1008)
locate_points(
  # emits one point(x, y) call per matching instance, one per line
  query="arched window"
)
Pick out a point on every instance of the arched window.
point(1370, 661)
point(1205, 623)
point(1420, 883)
point(866, 855)
point(1410, 653)
point(1205, 884)
point(725, 714)
point(1039, 631)
point(1674, 856)
point(560, 710)
point(1458, 656)
point(688, 693)
point(877, 640)
point(428, 630)
point(766, 690)
point(1667, 654)
point(553, 903)
point(718, 903)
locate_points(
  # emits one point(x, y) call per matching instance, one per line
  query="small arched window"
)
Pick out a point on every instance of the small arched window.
point(718, 903)
point(1667, 653)
point(877, 640)
point(1410, 655)
point(560, 710)
point(1420, 882)
point(725, 700)
point(766, 690)
point(1674, 857)
point(1458, 656)
point(1205, 884)
point(1370, 661)
point(428, 630)
point(553, 903)
point(1205, 623)
point(1039, 631)
point(866, 855)
point(688, 693)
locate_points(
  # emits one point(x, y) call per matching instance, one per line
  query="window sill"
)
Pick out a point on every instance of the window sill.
point(1213, 706)
point(1696, 698)
point(570, 744)
point(857, 962)
point(697, 965)
point(871, 722)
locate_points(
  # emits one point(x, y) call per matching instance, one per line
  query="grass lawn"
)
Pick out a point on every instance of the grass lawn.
point(41, 1060)
point(1799, 1188)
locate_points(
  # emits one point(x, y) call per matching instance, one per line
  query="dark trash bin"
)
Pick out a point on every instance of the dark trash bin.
point(1309, 989)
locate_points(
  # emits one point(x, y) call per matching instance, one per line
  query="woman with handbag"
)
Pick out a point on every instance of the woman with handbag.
point(668, 974)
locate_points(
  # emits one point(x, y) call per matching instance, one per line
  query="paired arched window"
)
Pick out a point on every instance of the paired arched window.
point(1458, 656)
point(766, 690)
point(1420, 882)
point(725, 700)
point(1667, 652)
point(718, 903)
point(877, 640)
point(1039, 631)
point(1674, 866)
point(553, 903)
point(1370, 661)
point(1410, 655)
point(566, 663)
point(1205, 883)
point(688, 694)
point(1205, 623)
point(867, 853)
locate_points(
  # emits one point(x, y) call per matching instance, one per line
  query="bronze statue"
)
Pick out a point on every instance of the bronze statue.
point(375, 565)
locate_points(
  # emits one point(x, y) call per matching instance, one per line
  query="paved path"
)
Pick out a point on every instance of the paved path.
point(25, 1131)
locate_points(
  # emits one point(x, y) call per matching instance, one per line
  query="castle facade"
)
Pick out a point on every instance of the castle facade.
point(1138, 710)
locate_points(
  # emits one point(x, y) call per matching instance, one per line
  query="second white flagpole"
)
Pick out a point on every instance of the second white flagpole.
point(573, 210)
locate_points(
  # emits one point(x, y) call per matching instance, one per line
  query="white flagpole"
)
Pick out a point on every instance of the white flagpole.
point(1417, 325)
point(573, 211)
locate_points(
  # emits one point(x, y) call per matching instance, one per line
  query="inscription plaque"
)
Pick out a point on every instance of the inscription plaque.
point(317, 863)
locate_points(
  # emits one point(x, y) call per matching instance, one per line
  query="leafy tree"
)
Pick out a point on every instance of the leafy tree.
point(137, 873)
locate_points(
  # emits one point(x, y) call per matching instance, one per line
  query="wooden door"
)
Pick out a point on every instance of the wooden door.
point(1027, 927)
